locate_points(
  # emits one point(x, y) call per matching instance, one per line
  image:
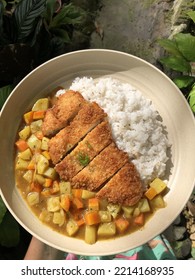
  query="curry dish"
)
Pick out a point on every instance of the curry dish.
point(74, 177)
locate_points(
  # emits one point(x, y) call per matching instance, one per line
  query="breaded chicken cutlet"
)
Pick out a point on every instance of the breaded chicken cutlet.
point(94, 142)
point(100, 169)
point(87, 118)
point(63, 111)
point(83, 151)
point(124, 187)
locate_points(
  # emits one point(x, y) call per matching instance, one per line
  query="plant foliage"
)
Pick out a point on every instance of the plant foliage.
point(181, 59)
point(26, 16)
point(9, 229)
point(34, 31)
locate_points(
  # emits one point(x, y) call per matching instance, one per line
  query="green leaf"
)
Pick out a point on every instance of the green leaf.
point(37, 32)
point(62, 34)
point(191, 98)
point(3, 209)
point(186, 45)
point(14, 2)
point(57, 46)
point(178, 248)
point(26, 15)
point(170, 46)
point(4, 93)
point(191, 14)
point(193, 253)
point(69, 14)
point(184, 81)
point(1, 18)
point(9, 231)
point(4, 3)
point(179, 64)
point(50, 9)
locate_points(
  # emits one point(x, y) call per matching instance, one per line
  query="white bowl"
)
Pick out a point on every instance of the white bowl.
point(168, 100)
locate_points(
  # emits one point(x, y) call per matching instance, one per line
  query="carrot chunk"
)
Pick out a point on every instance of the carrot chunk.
point(36, 187)
point(21, 145)
point(93, 204)
point(77, 193)
point(92, 218)
point(48, 182)
point(122, 224)
point(150, 193)
point(46, 192)
point(80, 222)
point(65, 202)
point(37, 115)
point(77, 202)
point(139, 220)
point(31, 165)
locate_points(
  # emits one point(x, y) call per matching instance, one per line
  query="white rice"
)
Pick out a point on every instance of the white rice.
point(134, 121)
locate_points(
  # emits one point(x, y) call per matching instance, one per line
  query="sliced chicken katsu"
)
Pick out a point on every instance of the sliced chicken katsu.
point(87, 118)
point(124, 187)
point(87, 149)
point(100, 169)
point(63, 111)
point(50, 124)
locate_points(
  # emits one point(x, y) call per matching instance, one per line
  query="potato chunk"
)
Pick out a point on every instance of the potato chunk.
point(41, 104)
point(105, 216)
point(90, 234)
point(45, 216)
point(114, 209)
point(144, 205)
point(53, 204)
point(71, 227)
point(21, 164)
point(59, 218)
point(33, 198)
point(50, 173)
point(34, 143)
point(128, 211)
point(42, 164)
point(65, 187)
point(106, 229)
point(36, 126)
point(87, 194)
point(26, 155)
point(158, 202)
point(44, 143)
point(28, 176)
point(158, 185)
point(25, 132)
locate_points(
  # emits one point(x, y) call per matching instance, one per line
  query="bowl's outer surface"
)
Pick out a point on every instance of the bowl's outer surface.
point(168, 100)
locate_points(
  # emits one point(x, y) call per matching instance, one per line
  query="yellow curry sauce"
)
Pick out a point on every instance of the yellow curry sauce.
point(72, 212)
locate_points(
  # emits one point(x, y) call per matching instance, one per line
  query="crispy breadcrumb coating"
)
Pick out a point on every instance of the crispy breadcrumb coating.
point(86, 119)
point(63, 111)
point(100, 169)
point(124, 187)
point(95, 141)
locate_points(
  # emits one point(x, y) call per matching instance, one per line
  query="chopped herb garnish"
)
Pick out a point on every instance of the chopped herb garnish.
point(88, 145)
point(83, 158)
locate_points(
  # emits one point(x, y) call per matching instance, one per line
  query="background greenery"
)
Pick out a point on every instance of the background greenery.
point(181, 59)
point(34, 31)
